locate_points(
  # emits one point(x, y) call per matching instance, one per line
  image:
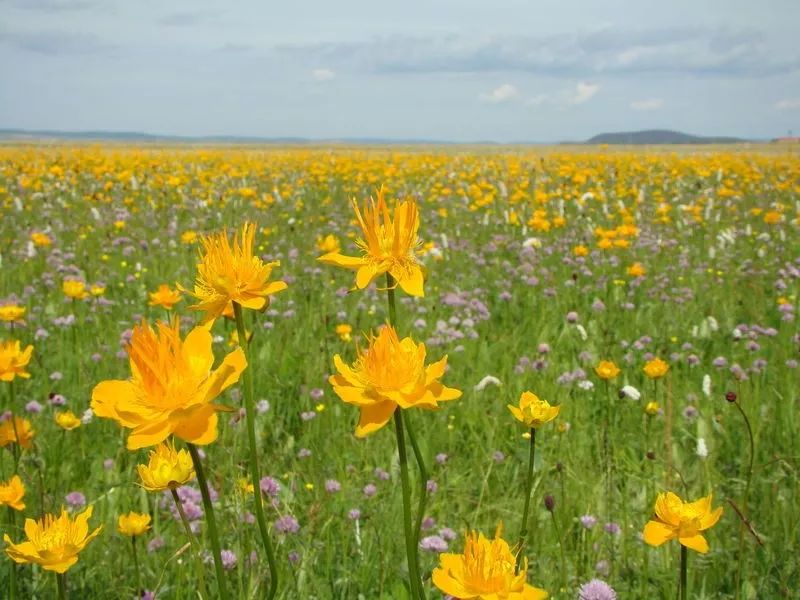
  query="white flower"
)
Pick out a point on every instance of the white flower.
point(585, 384)
point(707, 385)
point(631, 392)
point(532, 243)
point(582, 332)
point(486, 381)
point(712, 323)
point(87, 416)
point(702, 449)
point(737, 334)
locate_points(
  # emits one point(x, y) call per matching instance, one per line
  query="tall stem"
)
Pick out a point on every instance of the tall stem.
point(212, 522)
point(740, 558)
point(411, 549)
point(523, 532)
point(684, 560)
point(561, 548)
point(255, 473)
point(11, 564)
point(198, 563)
point(61, 584)
point(136, 566)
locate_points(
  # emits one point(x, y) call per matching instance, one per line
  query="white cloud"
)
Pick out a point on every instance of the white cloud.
point(647, 104)
point(504, 93)
point(323, 75)
point(789, 104)
point(583, 92)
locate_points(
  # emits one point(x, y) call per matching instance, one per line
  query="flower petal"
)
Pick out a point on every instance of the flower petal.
point(695, 542)
point(373, 417)
point(200, 427)
point(656, 533)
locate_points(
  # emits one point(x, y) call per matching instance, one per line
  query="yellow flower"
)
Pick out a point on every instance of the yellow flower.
point(67, 420)
point(485, 571)
point(189, 237)
point(53, 542)
point(228, 274)
point(772, 217)
point(390, 373)
point(172, 386)
point(133, 524)
point(97, 289)
point(40, 239)
point(683, 520)
point(17, 430)
point(12, 492)
point(655, 368)
point(166, 469)
point(12, 312)
point(245, 486)
point(652, 408)
point(636, 270)
point(606, 370)
point(343, 330)
point(328, 244)
point(580, 250)
point(532, 411)
point(164, 296)
point(388, 245)
point(74, 289)
point(14, 360)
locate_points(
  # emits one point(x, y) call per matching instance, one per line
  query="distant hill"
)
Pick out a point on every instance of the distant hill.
point(660, 136)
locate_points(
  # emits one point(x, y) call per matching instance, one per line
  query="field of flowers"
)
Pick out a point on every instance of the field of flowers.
point(478, 372)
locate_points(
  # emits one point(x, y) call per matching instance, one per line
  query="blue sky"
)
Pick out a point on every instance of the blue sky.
point(502, 70)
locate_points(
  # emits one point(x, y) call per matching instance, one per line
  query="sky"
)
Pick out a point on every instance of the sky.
point(457, 70)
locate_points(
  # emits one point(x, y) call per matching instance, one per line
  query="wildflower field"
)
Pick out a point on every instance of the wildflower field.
point(399, 373)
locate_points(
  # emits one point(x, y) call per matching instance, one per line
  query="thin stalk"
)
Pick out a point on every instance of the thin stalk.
point(684, 561)
point(16, 447)
point(212, 522)
point(523, 533)
point(11, 564)
point(198, 563)
point(136, 566)
point(255, 474)
point(561, 547)
point(423, 491)
point(740, 558)
point(61, 584)
point(411, 549)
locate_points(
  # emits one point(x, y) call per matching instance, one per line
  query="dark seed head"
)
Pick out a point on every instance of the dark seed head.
point(651, 455)
point(730, 396)
point(549, 502)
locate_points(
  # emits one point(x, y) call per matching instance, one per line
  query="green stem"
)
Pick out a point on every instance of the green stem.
point(212, 523)
point(198, 560)
point(523, 533)
point(423, 492)
point(15, 447)
point(11, 564)
point(561, 547)
point(684, 560)
point(390, 285)
point(61, 584)
point(740, 558)
point(411, 549)
point(255, 474)
point(136, 566)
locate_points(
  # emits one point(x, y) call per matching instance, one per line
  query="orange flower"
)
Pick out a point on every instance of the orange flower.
point(164, 296)
point(390, 373)
point(12, 493)
point(16, 430)
point(655, 368)
point(228, 274)
point(14, 360)
point(606, 370)
point(172, 386)
point(388, 246)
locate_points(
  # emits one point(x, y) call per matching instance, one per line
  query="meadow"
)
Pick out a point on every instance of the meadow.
point(540, 266)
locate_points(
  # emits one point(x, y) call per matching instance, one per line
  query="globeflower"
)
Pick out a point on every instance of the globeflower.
point(636, 270)
point(11, 313)
point(165, 297)
point(485, 571)
point(12, 493)
point(682, 520)
point(53, 542)
point(532, 411)
point(167, 469)
point(329, 243)
point(227, 274)
point(67, 420)
point(655, 368)
point(133, 524)
point(389, 245)
point(74, 289)
point(16, 430)
point(390, 373)
point(172, 387)
point(606, 370)
point(40, 239)
point(14, 360)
